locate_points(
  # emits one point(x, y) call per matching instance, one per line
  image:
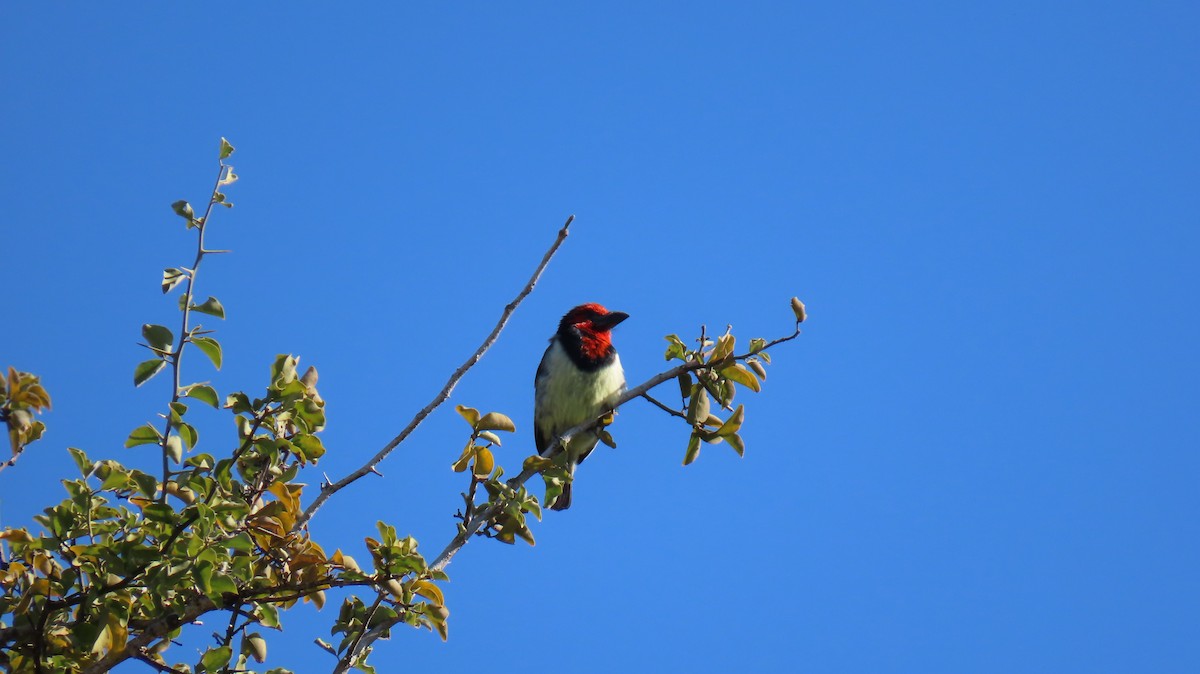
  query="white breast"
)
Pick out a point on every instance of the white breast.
point(568, 396)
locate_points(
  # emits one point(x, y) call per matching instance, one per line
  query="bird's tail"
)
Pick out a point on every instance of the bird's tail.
point(564, 499)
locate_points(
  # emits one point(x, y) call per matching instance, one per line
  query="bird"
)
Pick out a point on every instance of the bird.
point(578, 379)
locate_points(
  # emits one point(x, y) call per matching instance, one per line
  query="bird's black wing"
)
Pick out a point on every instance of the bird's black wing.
point(540, 439)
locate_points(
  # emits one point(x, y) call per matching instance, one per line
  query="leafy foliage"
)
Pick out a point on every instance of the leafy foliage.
point(21, 397)
point(130, 559)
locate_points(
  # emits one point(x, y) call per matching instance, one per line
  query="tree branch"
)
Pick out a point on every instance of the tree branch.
point(167, 669)
point(329, 490)
point(486, 514)
point(177, 356)
point(192, 609)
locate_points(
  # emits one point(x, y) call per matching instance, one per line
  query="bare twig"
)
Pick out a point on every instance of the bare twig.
point(167, 669)
point(663, 407)
point(328, 490)
point(484, 515)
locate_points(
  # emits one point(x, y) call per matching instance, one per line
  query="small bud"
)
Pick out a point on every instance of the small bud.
point(20, 420)
point(310, 377)
point(698, 407)
point(257, 646)
point(798, 309)
point(175, 448)
point(685, 384)
point(395, 587)
point(759, 370)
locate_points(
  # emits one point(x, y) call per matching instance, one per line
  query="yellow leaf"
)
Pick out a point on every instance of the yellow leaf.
point(469, 413)
point(428, 590)
point(739, 374)
point(484, 462)
point(734, 423)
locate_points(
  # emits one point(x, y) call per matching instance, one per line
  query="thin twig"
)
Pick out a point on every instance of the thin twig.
point(328, 490)
point(157, 665)
point(663, 407)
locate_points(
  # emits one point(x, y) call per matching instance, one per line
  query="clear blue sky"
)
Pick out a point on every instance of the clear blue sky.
point(981, 456)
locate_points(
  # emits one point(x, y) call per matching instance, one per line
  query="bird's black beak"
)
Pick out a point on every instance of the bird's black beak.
point(610, 320)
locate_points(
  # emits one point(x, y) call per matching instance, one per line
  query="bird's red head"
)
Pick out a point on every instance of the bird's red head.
point(593, 324)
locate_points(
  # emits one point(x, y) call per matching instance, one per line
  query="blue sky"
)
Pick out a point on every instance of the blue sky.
point(980, 456)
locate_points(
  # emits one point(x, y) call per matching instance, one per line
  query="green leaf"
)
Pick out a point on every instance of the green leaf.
point(494, 421)
point(238, 402)
point(210, 306)
point(189, 435)
point(201, 461)
point(676, 348)
point(734, 422)
point(283, 370)
point(171, 278)
point(146, 484)
point(221, 584)
point(216, 657)
point(735, 441)
point(699, 405)
point(310, 447)
point(204, 393)
point(116, 480)
point(142, 435)
point(241, 543)
point(693, 449)
point(158, 336)
point(183, 209)
point(81, 460)
point(267, 615)
point(685, 385)
point(210, 347)
point(146, 369)
point(226, 149)
point(159, 512)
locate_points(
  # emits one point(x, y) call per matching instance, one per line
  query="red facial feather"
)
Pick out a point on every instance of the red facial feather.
point(593, 343)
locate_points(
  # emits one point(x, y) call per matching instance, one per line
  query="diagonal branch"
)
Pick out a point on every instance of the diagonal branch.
point(486, 514)
point(329, 490)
